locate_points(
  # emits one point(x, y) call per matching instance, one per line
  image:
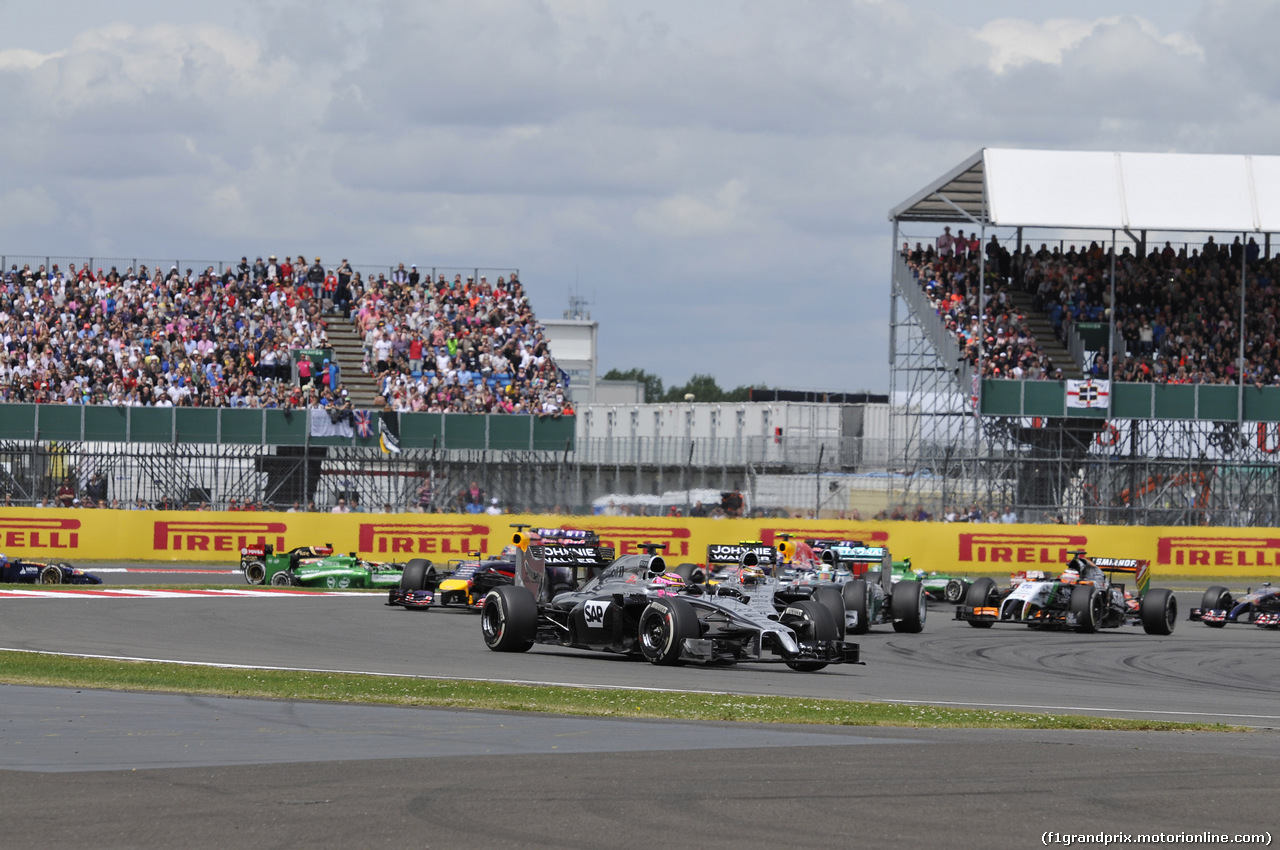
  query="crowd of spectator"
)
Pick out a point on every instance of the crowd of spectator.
point(949, 277)
point(165, 338)
point(472, 346)
point(1177, 309)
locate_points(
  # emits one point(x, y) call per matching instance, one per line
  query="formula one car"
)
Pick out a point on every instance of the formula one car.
point(638, 608)
point(22, 571)
point(1084, 598)
point(315, 566)
point(469, 581)
point(1259, 607)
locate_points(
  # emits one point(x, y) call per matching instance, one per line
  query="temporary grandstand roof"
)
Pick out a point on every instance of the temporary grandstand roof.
point(999, 187)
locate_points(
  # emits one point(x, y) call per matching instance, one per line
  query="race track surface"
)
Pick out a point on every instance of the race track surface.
point(145, 770)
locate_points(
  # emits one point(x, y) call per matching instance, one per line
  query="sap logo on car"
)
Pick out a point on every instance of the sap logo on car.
point(593, 612)
point(795, 612)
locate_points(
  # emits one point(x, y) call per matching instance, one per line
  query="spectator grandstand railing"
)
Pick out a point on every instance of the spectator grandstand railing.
point(931, 324)
point(847, 453)
point(444, 431)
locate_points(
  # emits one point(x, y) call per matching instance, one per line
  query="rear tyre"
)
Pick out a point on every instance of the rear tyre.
point(255, 572)
point(908, 606)
point(812, 617)
point(831, 599)
point(51, 575)
point(1159, 611)
point(980, 595)
point(664, 626)
point(955, 591)
point(855, 601)
point(284, 578)
point(1086, 604)
point(509, 619)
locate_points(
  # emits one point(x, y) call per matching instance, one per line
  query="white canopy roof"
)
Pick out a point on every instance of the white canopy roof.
point(1103, 190)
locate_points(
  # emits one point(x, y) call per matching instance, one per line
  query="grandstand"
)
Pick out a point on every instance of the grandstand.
point(1125, 369)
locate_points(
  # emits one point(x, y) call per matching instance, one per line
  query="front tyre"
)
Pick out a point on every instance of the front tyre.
point(1217, 598)
point(831, 599)
point(980, 595)
point(509, 619)
point(908, 607)
point(1086, 604)
point(284, 578)
point(664, 626)
point(814, 622)
point(415, 574)
point(1159, 611)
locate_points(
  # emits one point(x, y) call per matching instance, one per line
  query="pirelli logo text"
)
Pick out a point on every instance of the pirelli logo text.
point(420, 538)
point(30, 532)
point(229, 537)
point(627, 539)
point(869, 536)
point(1218, 551)
point(991, 548)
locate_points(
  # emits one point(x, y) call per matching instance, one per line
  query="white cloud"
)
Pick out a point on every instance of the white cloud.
point(1015, 42)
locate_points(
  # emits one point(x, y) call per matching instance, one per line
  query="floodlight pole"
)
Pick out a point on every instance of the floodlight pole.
point(1244, 273)
point(1111, 330)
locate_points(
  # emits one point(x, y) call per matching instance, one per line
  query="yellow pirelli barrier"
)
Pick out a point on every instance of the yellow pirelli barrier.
point(218, 537)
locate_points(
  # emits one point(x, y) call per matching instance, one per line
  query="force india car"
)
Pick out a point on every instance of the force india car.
point(21, 571)
point(1259, 607)
point(315, 566)
point(422, 587)
point(1084, 598)
point(638, 608)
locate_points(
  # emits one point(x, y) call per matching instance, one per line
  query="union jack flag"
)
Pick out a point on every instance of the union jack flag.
point(364, 422)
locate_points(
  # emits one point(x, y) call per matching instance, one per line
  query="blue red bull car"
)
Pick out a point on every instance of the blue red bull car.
point(22, 571)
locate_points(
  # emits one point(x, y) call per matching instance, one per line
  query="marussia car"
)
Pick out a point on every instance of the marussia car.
point(638, 608)
point(19, 570)
point(1084, 598)
point(315, 566)
point(1259, 607)
point(422, 587)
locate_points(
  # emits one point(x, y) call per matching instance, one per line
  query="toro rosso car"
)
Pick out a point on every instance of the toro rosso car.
point(1259, 607)
point(315, 566)
point(638, 608)
point(1084, 598)
point(21, 571)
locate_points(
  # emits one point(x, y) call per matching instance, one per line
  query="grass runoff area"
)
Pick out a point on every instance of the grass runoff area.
point(29, 668)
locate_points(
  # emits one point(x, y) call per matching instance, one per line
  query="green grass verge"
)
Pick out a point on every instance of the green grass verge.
point(26, 668)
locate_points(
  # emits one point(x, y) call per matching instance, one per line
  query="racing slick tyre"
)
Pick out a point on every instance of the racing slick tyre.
point(834, 602)
point(1219, 598)
point(284, 578)
point(509, 619)
point(907, 605)
point(856, 600)
point(1159, 611)
point(51, 575)
point(664, 626)
point(1086, 603)
point(415, 573)
point(814, 617)
point(255, 572)
point(979, 596)
point(955, 590)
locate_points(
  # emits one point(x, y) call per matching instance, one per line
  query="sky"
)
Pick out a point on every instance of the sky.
point(713, 177)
